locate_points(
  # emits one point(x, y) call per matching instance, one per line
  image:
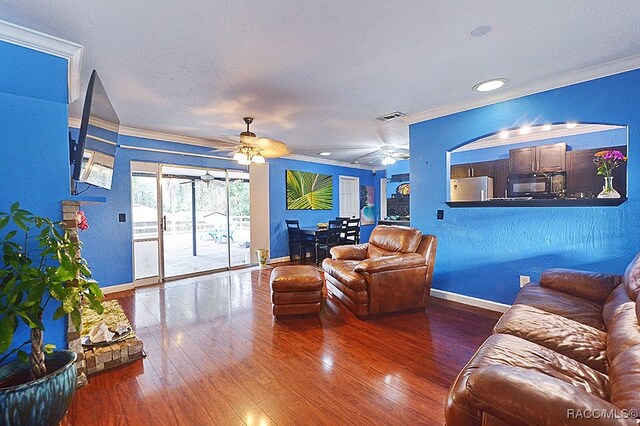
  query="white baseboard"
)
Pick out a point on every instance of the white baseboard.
point(117, 288)
point(471, 301)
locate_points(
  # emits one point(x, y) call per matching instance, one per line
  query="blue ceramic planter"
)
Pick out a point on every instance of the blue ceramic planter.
point(41, 402)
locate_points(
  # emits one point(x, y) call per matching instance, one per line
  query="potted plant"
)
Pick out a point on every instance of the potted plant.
point(41, 266)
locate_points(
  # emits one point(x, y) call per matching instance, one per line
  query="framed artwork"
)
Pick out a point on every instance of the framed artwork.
point(309, 191)
point(367, 205)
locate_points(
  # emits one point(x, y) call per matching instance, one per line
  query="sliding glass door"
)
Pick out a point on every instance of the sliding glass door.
point(205, 220)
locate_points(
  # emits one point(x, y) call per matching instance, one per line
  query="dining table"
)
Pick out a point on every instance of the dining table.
point(313, 232)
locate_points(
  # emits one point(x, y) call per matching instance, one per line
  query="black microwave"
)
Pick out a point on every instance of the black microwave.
point(538, 185)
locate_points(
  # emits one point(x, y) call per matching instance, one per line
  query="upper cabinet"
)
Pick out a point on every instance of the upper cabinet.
point(542, 158)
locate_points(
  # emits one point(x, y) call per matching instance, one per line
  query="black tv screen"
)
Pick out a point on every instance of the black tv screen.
point(93, 155)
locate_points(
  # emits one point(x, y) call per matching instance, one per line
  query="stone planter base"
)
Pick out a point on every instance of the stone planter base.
point(107, 357)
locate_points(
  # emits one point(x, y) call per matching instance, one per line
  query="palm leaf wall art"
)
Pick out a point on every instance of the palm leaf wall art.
point(309, 191)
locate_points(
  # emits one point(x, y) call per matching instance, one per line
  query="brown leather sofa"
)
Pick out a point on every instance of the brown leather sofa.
point(392, 272)
point(566, 352)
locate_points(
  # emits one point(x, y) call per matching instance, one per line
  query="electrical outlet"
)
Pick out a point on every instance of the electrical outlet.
point(524, 279)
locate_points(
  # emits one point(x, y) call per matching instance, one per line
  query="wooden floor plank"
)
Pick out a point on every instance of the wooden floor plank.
point(217, 356)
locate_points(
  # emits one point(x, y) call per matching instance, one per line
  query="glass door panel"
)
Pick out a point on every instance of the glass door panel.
point(239, 222)
point(212, 220)
point(195, 221)
point(144, 217)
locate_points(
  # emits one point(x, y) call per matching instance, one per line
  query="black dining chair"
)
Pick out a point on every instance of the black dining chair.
point(330, 238)
point(297, 243)
point(351, 232)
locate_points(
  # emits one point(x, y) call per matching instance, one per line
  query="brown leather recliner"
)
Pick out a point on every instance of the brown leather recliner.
point(566, 352)
point(392, 272)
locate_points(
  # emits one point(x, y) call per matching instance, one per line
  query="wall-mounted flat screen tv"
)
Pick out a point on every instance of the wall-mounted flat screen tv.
point(93, 155)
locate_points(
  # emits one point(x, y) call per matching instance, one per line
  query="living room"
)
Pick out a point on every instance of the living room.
point(319, 81)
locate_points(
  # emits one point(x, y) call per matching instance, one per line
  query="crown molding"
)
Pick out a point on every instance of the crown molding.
point(36, 40)
point(328, 162)
point(189, 140)
point(592, 73)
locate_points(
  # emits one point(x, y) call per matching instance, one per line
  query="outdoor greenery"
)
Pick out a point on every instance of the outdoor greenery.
point(309, 191)
point(40, 263)
point(211, 196)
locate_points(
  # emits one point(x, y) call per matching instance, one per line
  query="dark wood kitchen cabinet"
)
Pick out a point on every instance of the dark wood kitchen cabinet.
point(551, 158)
point(542, 158)
point(522, 160)
point(500, 177)
point(460, 171)
point(582, 177)
point(483, 168)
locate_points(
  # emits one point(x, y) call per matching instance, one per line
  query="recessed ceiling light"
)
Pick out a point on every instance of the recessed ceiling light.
point(489, 85)
point(324, 154)
point(546, 127)
point(481, 30)
point(572, 125)
point(524, 130)
point(504, 134)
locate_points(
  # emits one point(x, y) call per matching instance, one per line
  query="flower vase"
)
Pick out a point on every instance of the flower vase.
point(607, 189)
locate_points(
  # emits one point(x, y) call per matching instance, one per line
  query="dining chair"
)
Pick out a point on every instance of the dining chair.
point(330, 238)
point(351, 232)
point(297, 243)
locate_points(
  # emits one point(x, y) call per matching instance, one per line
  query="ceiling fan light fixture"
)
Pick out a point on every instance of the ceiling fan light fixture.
point(239, 156)
point(259, 159)
point(387, 161)
point(244, 161)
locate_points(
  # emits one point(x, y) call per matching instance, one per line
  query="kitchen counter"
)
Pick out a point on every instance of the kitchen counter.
point(394, 222)
point(548, 202)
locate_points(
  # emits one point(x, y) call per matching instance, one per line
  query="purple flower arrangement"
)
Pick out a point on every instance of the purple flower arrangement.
point(607, 161)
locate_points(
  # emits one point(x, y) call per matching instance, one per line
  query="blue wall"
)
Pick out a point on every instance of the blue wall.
point(278, 208)
point(602, 139)
point(35, 147)
point(482, 251)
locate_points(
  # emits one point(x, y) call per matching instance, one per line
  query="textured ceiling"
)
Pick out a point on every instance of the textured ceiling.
point(315, 74)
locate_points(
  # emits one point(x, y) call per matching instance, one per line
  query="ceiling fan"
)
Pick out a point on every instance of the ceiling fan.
point(251, 149)
point(387, 154)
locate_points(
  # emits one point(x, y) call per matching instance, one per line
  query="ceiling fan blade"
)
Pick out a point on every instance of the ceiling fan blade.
point(271, 148)
point(371, 154)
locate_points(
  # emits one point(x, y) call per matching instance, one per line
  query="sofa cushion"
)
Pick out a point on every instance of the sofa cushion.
point(343, 271)
point(623, 331)
point(614, 304)
point(504, 349)
point(375, 252)
point(578, 341)
point(395, 239)
point(624, 380)
point(576, 308)
point(632, 278)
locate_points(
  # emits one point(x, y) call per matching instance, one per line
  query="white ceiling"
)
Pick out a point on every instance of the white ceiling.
point(316, 74)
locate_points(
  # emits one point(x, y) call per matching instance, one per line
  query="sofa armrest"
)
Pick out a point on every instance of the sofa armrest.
point(350, 252)
point(518, 396)
point(588, 285)
point(390, 263)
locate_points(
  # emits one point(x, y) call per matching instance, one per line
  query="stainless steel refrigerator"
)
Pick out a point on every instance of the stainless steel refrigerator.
point(477, 188)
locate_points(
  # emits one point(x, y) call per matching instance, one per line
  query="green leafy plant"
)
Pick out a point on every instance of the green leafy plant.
point(40, 263)
point(309, 191)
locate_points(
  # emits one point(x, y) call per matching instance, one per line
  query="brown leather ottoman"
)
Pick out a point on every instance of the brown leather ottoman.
point(296, 290)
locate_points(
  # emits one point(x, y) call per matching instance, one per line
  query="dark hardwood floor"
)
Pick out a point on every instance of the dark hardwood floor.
point(217, 356)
